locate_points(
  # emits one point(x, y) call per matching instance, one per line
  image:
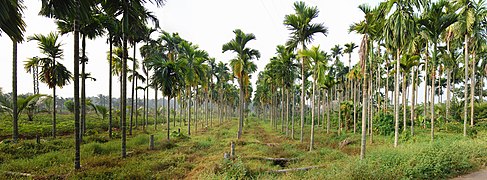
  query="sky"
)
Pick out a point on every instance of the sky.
point(208, 23)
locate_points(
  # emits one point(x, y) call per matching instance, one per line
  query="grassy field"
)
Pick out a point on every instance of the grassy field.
point(201, 156)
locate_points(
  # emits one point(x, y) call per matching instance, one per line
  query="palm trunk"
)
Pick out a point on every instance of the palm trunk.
point(287, 111)
point(364, 122)
point(124, 85)
point(110, 90)
point(168, 115)
point(157, 110)
point(189, 108)
point(386, 101)
point(404, 100)
point(206, 107)
point(413, 101)
point(174, 114)
point(133, 89)
point(425, 105)
point(196, 110)
point(15, 117)
point(312, 139)
point(302, 97)
point(76, 96)
point(448, 96)
point(292, 114)
point(339, 113)
point(143, 109)
point(396, 100)
point(354, 88)
point(472, 89)
point(433, 77)
point(54, 106)
point(83, 87)
point(240, 122)
point(328, 122)
point(136, 104)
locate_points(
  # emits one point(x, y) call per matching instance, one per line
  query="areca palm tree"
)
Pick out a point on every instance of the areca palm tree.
point(52, 73)
point(242, 65)
point(368, 28)
point(318, 58)
point(134, 11)
point(400, 27)
point(193, 60)
point(302, 31)
point(12, 24)
point(77, 10)
point(435, 21)
point(349, 47)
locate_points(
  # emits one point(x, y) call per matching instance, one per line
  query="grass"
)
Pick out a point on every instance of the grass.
point(201, 155)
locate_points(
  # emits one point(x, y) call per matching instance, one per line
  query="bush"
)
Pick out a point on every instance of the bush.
point(384, 123)
point(234, 169)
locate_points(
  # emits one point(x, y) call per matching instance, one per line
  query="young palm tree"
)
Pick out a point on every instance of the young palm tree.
point(12, 24)
point(52, 73)
point(302, 32)
point(435, 21)
point(318, 58)
point(242, 65)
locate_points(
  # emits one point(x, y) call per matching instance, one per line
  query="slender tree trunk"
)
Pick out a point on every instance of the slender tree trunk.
point(157, 110)
point(282, 107)
point(448, 96)
point(76, 96)
point(292, 114)
point(196, 110)
point(136, 104)
point(133, 89)
point(15, 116)
point(189, 109)
point(143, 113)
point(287, 111)
point(168, 116)
point(147, 105)
point(433, 77)
point(386, 102)
point(54, 105)
point(174, 109)
point(328, 122)
point(240, 122)
point(312, 139)
point(364, 121)
point(339, 113)
point(413, 101)
point(110, 83)
point(83, 87)
point(472, 88)
point(302, 97)
point(206, 107)
point(396, 100)
point(404, 101)
point(124, 84)
point(355, 106)
point(425, 105)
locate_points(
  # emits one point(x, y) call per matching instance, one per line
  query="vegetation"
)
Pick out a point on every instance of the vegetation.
point(405, 45)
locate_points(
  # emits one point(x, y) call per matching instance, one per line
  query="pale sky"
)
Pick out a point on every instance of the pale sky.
point(207, 23)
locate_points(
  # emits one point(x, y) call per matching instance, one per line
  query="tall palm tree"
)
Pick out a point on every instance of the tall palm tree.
point(368, 28)
point(12, 24)
point(399, 29)
point(89, 28)
point(435, 21)
point(349, 47)
point(52, 73)
point(242, 65)
point(465, 26)
point(302, 32)
point(193, 59)
point(133, 11)
point(77, 10)
point(318, 58)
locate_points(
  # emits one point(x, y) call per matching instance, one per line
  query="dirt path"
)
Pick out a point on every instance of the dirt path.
point(480, 175)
